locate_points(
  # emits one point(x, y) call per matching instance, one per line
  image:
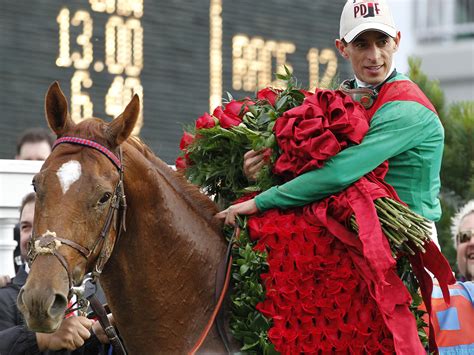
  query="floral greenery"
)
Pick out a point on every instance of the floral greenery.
point(247, 324)
point(220, 151)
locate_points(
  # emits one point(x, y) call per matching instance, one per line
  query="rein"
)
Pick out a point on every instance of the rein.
point(49, 242)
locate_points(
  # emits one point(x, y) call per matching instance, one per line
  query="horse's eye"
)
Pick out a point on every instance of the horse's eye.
point(105, 197)
point(33, 183)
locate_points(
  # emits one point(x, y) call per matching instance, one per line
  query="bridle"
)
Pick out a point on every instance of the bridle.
point(49, 242)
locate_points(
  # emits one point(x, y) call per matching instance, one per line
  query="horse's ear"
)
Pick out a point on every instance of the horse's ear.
point(56, 110)
point(122, 126)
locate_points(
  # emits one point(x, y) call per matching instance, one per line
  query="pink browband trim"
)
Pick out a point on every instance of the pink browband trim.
point(92, 144)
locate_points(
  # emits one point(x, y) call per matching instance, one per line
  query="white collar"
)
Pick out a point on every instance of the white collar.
point(361, 84)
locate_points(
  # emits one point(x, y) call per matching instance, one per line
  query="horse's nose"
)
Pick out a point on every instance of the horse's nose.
point(54, 304)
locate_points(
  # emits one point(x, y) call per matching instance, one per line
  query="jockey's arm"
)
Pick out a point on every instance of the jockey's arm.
point(393, 130)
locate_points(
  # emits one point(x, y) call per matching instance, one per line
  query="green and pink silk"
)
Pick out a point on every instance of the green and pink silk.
point(405, 130)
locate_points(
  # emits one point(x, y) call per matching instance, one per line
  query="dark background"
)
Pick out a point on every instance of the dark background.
point(175, 77)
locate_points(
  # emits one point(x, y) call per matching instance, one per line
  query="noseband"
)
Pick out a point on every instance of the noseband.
point(49, 242)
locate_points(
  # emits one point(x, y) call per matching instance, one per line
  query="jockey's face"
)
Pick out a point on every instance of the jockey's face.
point(371, 55)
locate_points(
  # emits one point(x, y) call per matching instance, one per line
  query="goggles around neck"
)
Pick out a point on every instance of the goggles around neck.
point(365, 96)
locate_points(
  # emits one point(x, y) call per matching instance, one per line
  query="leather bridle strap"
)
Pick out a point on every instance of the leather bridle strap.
point(109, 329)
point(48, 243)
point(88, 143)
point(117, 205)
point(220, 301)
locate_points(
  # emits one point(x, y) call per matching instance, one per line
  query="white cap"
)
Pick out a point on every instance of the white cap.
point(365, 15)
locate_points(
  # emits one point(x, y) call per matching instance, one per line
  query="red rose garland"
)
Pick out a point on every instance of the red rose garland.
point(327, 289)
point(315, 294)
point(317, 300)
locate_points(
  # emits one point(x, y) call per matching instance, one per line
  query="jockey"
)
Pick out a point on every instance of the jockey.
point(404, 128)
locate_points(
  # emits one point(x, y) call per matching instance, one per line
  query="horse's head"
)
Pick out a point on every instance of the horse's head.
point(79, 201)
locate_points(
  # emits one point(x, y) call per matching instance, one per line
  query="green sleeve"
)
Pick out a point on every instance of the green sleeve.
point(396, 127)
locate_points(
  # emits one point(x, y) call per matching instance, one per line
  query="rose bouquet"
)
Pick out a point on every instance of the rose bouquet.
point(298, 275)
point(309, 129)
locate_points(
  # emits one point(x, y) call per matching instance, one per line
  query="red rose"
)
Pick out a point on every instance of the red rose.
point(226, 120)
point(186, 140)
point(183, 162)
point(235, 107)
point(180, 163)
point(205, 121)
point(232, 114)
point(268, 94)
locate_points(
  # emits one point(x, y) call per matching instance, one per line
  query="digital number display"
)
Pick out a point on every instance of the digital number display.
point(123, 45)
point(180, 57)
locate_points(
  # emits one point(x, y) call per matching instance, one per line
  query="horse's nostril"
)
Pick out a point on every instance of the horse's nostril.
point(58, 306)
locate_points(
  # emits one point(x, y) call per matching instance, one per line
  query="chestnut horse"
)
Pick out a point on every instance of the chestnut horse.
point(160, 278)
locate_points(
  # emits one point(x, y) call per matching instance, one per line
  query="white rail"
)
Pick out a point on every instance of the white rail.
point(15, 183)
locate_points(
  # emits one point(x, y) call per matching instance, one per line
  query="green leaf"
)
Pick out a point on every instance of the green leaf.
point(269, 349)
point(243, 269)
point(264, 119)
point(250, 346)
point(270, 141)
point(281, 103)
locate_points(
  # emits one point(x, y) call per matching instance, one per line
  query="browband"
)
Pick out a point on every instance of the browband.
point(92, 144)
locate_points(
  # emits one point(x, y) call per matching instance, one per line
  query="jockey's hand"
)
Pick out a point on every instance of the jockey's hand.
point(99, 331)
point(245, 208)
point(71, 334)
point(254, 161)
point(4, 279)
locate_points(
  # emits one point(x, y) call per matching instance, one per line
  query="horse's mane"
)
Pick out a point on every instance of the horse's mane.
point(94, 129)
point(199, 202)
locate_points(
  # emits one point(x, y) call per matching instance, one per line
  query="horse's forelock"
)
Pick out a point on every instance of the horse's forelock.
point(93, 129)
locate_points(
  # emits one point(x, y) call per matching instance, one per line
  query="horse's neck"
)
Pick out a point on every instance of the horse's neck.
point(160, 280)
